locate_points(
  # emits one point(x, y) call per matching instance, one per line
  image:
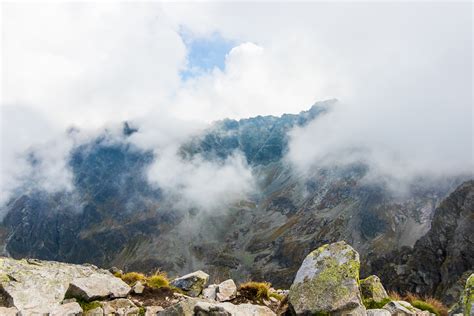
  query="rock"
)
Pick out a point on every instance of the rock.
point(199, 307)
point(8, 311)
point(378, 312)
point(192, 284)
point(35, 286)
point(98, 311)
point(153, 310)
point(327, 281)
point(97, 286)
point(229, 309)
point(468, 296)
point(400, 308)
point(226, 291)
point(138, 288)
point(120, 306)
point(210, 292)
point(68, 309)
point(115, 271)
point(372, 289)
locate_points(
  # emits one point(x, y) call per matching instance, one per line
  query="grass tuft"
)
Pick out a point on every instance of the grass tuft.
point(158, 280)
point(132, 277)
point(256, 291)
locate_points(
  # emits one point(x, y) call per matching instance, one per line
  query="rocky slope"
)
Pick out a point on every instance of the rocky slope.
point(327, 283)
point(441, 260)
point(115, 217)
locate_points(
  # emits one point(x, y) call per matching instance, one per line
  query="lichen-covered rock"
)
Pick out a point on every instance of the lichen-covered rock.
point(98, 311)
point(120, 306)
point(97, 286)
point(372, 289)
point(192, 284)
point(36, 286)
point(327, 281)
point(378, 312)
point(226, 291)
point(68, 309)
point(400, 308)
point(468, 296)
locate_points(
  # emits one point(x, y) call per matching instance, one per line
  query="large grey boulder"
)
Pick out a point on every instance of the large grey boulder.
point(200, 307)
point(97, 286)
point(465, 305)
point(35, 286)
point(327, 282)
point(193, 283)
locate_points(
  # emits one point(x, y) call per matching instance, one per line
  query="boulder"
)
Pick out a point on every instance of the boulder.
point(68, 309)
point(400, 308)
point(35, 286)
point(97, 286)
point(138, 288)
point(372, 289)
point(193, 306)
point(98, 311)
point(327, 282)
point(378, 312)
point(226, 291)
point(8, 311)
point(120, 306)
point(153, 310)
point(467, 297)
point(192, 284)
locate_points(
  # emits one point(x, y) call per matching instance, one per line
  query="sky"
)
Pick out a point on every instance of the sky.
point(402, 73)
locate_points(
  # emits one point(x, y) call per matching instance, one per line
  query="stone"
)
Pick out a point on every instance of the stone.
point(327, 281)
point(378, 312)
point(210, 292)
point(138, 288)
point(115, 271)
point(468, 296)
point(68, 309)
point(8, 311)
point(192, 284)
point(153, 310)
point(200, 307)
point(36, 286)
point(400, 308)
point(226, 291)
point(98, 311)
point(97, 286)
point(372, 289)
point(120, 306)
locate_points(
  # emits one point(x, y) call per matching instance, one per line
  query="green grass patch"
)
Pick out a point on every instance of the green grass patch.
point(371, 304)
point(158, 280)
point(256, 291)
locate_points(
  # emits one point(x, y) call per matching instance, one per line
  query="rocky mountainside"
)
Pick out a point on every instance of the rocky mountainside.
point(114, 217)
point(440, 261)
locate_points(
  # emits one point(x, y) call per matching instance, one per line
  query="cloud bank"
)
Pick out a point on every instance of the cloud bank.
point(402, 73)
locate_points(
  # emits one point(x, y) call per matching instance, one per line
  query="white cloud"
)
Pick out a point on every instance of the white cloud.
point(402, 71)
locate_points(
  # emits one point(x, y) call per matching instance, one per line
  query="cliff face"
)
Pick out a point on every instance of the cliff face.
point(441, 260)
point(114, 217)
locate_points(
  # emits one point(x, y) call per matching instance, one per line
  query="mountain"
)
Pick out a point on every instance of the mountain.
point(114, 217)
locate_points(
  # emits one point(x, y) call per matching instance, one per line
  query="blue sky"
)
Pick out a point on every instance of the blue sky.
point(205, 53)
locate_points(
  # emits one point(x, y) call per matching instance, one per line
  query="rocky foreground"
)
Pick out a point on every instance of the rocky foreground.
point(327, 283)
